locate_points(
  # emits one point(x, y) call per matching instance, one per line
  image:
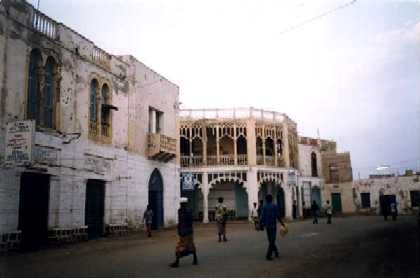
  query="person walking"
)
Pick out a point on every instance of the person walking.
point(147, 220)
point(254, 216)
point(315, 212)
point(185, 245)
point(394, 211)
point(269, 216)
point(328, 212)
point(221, 218)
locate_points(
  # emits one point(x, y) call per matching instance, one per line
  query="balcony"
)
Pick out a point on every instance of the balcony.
point(195, 161)
point(161, 147)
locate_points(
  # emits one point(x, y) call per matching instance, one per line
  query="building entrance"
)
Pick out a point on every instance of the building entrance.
point(33, 209)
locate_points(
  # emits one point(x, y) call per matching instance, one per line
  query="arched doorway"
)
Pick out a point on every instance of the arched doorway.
point(271, 187)
point(156, 198)
point(281, 202)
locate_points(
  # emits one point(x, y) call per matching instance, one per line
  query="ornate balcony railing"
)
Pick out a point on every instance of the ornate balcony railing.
point(227, 159)
point(191, 161)
point(269, 160)
point(260, 160)
point(44, 24)
point(242, 159)
point(161, 147)
point(211, 160)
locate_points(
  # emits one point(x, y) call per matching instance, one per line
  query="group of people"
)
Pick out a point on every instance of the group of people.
point(315, 210)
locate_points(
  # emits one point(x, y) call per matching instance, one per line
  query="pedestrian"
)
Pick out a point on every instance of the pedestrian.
point(384, 209)
point(147, 220)
point(269, 216)
point(394, 211)
point(328, 212)
point(294, 209)
point(254, 216)
point(221, 218)
point(315, 211)
point(185, 245)
point(260, 207)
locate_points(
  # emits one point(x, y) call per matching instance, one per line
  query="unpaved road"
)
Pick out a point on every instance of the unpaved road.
point(350, 247)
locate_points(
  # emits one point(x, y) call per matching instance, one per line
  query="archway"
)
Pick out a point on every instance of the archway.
point(271, 187)
point(156, 198)
point(234, 195)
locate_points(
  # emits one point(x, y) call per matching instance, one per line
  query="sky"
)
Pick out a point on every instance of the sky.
point(353, 73)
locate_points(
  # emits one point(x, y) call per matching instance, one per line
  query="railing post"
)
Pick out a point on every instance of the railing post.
point(217, 145)
point(235, 150)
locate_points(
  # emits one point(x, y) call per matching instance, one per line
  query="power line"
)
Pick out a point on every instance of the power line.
point(312, 19)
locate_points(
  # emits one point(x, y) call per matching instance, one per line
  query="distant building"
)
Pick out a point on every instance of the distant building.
point(379, 191)
point(104, 136)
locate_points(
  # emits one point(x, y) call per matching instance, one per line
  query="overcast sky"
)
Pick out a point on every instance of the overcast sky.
point(354, 73)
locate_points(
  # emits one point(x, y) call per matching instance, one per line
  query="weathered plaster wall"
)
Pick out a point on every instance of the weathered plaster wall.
point(75, 160)
point(346, 191)
point(398, 186)
point(305, 160)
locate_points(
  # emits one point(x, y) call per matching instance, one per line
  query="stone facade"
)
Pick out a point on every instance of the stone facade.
point(241, 155)
point(94, 112)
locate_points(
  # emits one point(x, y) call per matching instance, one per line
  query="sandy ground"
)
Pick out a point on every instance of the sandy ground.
point(350, 247)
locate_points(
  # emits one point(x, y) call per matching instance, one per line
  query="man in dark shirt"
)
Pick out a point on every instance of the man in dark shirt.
point(185, 245)
point(269, 216)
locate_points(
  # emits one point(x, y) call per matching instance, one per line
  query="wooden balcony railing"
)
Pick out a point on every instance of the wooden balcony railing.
point(161, 147)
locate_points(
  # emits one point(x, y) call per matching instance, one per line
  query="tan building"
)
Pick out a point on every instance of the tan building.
point(240, 155)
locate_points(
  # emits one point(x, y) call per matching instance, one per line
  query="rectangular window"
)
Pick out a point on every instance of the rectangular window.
point(365, 200)
point(415, 198)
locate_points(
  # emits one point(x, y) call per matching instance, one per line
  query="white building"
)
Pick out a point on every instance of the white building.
point(105, 136)
point(240, 155)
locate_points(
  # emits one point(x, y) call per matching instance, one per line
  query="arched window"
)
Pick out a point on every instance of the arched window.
point(49, 93)
point(105, 113)
point(314, 165)
point(93, 107)
point(34, 99)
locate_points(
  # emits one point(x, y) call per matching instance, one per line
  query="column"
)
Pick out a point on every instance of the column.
point(263, 139)
point(286, 144)
point(288, 202)
point(205, 191)
point(275, 147)
point(251, 142)
point(217, 144)
point(252, 187)
point(235, 150)
point(204, 141)
point(152, 115)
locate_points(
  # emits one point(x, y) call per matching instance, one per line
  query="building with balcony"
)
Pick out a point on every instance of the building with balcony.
point(240, 155)
point(90, 138)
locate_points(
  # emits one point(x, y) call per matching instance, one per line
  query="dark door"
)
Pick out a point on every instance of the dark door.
point(336, 202)
point(280, 202)
point(316, 196)
point(95, 208)
point(33, 210)
point(156, 198)
point(389, 200)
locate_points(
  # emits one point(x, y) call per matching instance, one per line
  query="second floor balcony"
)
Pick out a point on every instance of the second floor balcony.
point(161, 147)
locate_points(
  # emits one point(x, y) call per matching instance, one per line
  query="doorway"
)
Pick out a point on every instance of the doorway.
point(156, 198)
point(95, 208)
point(336, 202)
point(33, 210)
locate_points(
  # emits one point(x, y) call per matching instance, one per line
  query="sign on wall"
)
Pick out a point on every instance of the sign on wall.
point(19, 140)
point(292, 178)
point(187, 182)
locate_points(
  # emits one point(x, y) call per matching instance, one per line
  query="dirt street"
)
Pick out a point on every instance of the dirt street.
point(350, 247)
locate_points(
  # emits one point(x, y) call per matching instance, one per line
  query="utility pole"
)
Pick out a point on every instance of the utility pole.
point(37, 7)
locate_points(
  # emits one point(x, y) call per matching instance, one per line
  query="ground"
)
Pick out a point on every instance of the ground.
point(350, 247)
